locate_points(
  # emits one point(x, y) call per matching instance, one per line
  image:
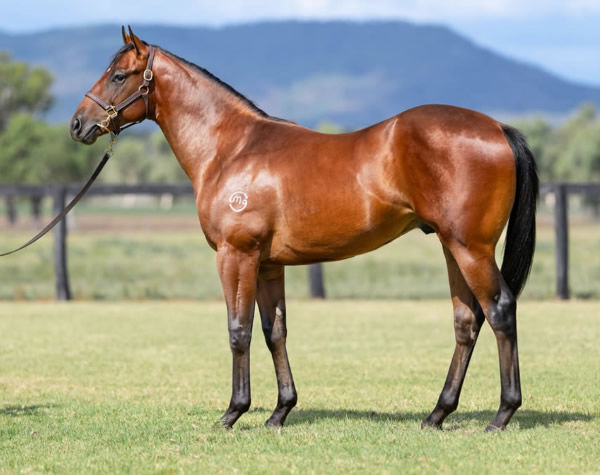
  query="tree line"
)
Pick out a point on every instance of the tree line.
point(33, 151)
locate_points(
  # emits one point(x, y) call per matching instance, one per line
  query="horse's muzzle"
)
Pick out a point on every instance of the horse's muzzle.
point(84, 131)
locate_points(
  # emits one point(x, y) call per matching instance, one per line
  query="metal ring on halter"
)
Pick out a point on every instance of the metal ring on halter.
point(111, 112)
point(111, 115)
point(104, 125)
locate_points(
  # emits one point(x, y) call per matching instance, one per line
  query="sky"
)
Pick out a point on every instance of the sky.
point(561, 36)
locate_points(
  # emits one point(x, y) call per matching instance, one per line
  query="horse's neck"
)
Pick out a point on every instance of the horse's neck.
point(199, 118)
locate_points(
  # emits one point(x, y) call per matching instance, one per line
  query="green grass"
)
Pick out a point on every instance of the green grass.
point(136, 387)
point(180, 265)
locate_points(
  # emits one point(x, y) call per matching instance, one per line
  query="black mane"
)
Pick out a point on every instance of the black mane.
point(214, 78)
point(129, 46)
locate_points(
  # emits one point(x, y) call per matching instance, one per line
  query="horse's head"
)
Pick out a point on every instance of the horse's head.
point(120, 96)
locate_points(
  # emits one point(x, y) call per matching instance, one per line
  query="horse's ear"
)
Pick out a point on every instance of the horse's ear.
point(137, 43)
point(126, 39)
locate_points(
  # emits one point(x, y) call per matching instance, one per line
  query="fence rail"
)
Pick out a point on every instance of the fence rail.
point(59, 194)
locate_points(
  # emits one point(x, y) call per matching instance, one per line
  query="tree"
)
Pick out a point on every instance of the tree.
point(35, 152)
point(568, 152)
point(576, 148)
point(144, 158)
point(22, 89)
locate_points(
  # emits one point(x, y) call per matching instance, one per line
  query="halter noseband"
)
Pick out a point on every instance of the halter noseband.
point(112, 112)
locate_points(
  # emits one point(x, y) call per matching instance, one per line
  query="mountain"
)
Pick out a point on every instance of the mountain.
point(350, 73)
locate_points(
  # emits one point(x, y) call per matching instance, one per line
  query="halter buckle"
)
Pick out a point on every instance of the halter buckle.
point(148, 75)
point(112, 112)
point(104, 125)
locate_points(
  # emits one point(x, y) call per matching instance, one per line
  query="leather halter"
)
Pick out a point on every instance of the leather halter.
point(112, 111)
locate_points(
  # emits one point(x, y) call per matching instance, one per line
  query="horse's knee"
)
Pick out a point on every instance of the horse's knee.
point(239, 339)
point(466, 326)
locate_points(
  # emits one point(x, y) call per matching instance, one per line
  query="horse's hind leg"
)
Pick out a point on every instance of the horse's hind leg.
point(483, 277)
point(468, 319)
point(271, 303)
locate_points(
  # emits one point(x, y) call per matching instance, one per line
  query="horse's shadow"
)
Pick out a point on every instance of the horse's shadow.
point(526, 418)
point(20, 411)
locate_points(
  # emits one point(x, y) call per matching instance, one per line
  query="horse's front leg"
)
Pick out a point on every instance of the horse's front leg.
point(271, 303)
point(238, 272)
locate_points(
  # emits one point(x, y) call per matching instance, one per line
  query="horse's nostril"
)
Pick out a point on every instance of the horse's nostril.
point(75, 125)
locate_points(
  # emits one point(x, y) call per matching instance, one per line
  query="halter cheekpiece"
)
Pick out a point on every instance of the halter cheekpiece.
point(112, 111)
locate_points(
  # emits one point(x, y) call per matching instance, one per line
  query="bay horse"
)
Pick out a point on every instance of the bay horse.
point(270, 193)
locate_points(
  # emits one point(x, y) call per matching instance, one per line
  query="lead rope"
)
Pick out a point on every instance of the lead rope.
point(107, 154)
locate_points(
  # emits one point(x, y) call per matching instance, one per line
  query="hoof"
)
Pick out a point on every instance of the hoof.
point(221, 424)
point(225, 422)
point(426, 424)
point(493, 428)
point(274, 424)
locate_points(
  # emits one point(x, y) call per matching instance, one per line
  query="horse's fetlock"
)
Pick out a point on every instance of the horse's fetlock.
point(447, 403)
point(512, 400)
point(239, 405)
point(287, 398)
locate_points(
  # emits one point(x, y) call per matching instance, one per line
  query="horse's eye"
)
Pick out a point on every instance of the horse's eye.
point(118, 78)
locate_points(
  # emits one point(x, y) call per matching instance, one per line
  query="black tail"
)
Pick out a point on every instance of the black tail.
point(520, 235)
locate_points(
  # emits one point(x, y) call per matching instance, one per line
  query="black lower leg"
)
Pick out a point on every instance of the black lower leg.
point(240, 392)
point(467, 329)
point(502, 318)
point(271, 303)
point(275, 335)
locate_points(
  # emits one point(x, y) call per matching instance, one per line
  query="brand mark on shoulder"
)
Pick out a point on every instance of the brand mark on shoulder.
point(238, 201)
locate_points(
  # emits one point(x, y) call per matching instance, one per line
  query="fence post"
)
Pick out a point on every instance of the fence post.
point(11, 209)
point(315, 280)
point(561, 228)
point(63, 292)
point(36, 208)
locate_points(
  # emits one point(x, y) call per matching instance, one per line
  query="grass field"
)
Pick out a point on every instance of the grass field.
point(168, 264)
point(136, 387)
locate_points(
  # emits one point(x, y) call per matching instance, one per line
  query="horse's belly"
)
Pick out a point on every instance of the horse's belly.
point(338, 237)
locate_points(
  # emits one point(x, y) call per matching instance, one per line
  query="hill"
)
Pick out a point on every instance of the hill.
point(350, 73)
